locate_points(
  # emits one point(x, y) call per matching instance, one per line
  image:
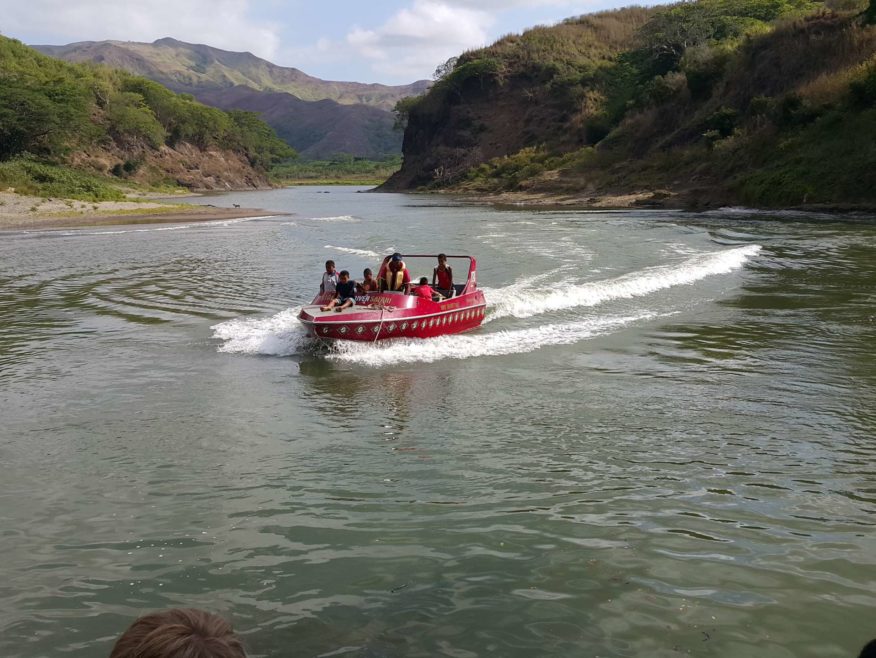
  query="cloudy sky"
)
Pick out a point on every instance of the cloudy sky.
point(388, 41)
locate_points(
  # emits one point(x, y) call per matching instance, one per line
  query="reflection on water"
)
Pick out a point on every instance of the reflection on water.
point(661, 442)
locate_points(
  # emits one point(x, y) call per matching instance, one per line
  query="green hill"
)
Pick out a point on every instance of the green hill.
point(762, 102)
point(113, 124)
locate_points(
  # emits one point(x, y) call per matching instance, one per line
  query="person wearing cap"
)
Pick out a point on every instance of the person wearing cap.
point(395, 277)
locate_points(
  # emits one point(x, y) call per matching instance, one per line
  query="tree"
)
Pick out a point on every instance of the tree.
point(40, 120)
point(258, 140)
point(445, 69)
point(130, 117)
point(402, 111)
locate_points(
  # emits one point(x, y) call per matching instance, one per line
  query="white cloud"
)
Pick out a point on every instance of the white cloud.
point(421, 37)
point(224, 24)
point(504, 5)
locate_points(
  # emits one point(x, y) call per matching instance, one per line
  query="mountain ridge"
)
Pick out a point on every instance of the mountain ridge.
point(189, 65)
point(357, 122)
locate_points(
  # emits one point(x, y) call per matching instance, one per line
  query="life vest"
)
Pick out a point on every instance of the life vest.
point(443, 277)
point(394, 280)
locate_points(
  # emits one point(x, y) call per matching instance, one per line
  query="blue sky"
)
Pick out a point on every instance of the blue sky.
point(388, 41)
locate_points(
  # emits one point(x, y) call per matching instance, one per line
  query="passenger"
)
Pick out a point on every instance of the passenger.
point(369, 283)
point(345, 294)
point(396, 278)
point(179, 633)
point(329, 278)
point(423, 290)
point(381, 273)
point(442, 277)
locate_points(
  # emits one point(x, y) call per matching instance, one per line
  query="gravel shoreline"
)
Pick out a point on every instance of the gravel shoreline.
point(25, 212)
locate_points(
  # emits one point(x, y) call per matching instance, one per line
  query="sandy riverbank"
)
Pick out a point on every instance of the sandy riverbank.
point(658, 199)
point(693, 200)
point(25, 212)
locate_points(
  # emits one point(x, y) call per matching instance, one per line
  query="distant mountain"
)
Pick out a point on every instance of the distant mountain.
point(316, 129)
point(316, 117)
point(186, 66)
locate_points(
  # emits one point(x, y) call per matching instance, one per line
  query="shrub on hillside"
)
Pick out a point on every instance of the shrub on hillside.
point(29, 176)
point(129, 118)
point(863, 90)
point(673, 30)
point(48, 107)
point(43, 121)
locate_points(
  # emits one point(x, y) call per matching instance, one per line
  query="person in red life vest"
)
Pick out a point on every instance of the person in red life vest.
point(442, 276)
point(423, 290)
point(345, 293)
point(369, 283)
point(396, 277)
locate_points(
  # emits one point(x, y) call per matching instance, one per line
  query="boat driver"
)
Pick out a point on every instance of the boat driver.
point(396, 277)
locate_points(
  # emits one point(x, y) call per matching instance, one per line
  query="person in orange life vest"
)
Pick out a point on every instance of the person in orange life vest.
point(381, 273)
point(397, 278)
point(369, 283)
point(345, 294)
point(423, 290)
point(442, 276)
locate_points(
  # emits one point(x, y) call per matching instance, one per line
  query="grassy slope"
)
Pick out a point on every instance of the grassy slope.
point(776, 113)
point(339, 171)
point(88, 132)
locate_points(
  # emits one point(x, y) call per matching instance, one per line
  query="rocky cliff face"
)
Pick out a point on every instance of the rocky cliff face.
point(524, 91)
point(702, 107)
point(184, 165)
point(476, 122)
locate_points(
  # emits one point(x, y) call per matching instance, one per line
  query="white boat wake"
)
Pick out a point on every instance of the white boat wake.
point(278, 335)
point(466, 346)
point(365, 253)
point(522, 300)
point(283, 335)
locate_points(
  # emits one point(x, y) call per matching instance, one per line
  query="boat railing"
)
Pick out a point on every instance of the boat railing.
point(470, 279)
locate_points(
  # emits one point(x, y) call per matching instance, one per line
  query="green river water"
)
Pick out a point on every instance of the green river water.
point(661, 442)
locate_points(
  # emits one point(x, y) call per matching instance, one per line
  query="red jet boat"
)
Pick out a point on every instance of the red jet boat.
point(380, 315)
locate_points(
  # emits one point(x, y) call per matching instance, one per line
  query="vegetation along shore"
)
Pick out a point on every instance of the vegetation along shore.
point(766, 103)
point(761, 103)
point(99, 139)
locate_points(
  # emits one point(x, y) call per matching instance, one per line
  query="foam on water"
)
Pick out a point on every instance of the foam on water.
point(283, 335)
point(466, 346)
point(155, 229)
point(737, 211)
point(336, 218)
point(365, 253)
point(521, 301)
point(278, 335)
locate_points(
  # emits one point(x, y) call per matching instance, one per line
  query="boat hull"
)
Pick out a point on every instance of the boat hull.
point(380, 316)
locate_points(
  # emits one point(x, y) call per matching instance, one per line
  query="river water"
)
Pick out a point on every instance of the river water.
point(661, 442)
